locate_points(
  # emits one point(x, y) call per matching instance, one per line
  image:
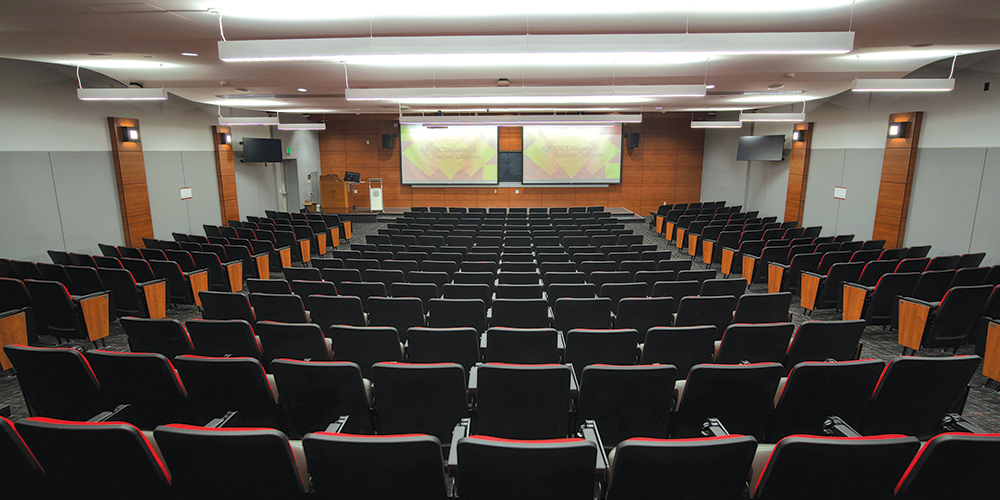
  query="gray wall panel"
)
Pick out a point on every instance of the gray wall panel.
point(826, 167)
point(862, 173)
point(986, 232)
point(88, 199)
point(199, 173)
point(164, 179)
point(30, 221)
point(944, 221)
point(722, 177)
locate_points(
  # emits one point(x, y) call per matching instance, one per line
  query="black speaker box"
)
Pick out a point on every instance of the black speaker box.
point(387, 141)
point(632, 140)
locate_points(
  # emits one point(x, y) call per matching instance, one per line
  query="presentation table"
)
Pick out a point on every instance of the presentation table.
point(338, 195)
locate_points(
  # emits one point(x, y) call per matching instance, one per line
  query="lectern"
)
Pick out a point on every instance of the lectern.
point(338, 195)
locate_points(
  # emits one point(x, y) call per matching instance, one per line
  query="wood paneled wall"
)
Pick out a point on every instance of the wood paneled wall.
point(897, 180)
point(225, 171)
point(665, 168)
point(798, 174)
point(130, 175)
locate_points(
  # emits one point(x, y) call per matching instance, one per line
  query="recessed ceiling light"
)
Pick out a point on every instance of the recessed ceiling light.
point(243, 91)
point(189, 54)
point(99, 54)
point(659, 107)
point(302, 90)
point(710, 86)
point(775, 86)
point(921, 45)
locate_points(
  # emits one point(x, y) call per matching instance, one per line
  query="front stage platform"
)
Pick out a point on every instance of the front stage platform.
point(390, 213)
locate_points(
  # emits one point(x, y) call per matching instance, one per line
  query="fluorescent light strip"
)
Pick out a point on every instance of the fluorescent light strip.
point(122, 94)
point(904, 85)
point(355, 49)
point(302, 126)
point(715, 124)
point(432, 121)
point(773, 117)
point(531, 93)
point(231, 121)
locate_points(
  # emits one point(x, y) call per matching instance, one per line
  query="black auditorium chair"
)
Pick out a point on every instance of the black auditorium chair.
point(72, 454)
point(754, 343)
point(627, 401)
point(226, 305)
point(592, 313)
point(365, 345)
point(401, 313)
point(279, 307)
point(643, 313)
point(948, 322)
point(420, 398)
point(447, 313)
point(956, 465)
point(353, 467)
point(147, 381)
point(520, 313)
point(165, 336)
point(224, 338)
point(216, 385)
point(683, 347)
point(292, 340)
point(22, 476)
point(588, 347)
point(825, 340)
point(56, 382)
point(715, 311)
point(763, 308)
point(740, 396)
point(214, 462)
point(817, 390)
point(523, 401)
point(305, 289)
point(314, 394)
point(58, 313)
point(218, 271)
point(522, 345)
point(707, 468)
point(821, 463)
point(178, 281)
point(134, 298)
point(14, 299)
point(443, 345)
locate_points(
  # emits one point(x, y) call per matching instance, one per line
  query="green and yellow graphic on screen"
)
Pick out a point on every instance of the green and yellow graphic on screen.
point(454, 155)
point(572, 155)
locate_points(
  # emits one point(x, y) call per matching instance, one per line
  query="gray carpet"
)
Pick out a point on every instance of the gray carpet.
point(982, 407)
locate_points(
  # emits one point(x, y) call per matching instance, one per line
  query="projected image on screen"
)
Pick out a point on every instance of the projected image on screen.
point(573, 155)
point(453, 155)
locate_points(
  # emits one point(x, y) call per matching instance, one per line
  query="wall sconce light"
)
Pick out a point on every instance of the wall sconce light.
point(897, 130)
point(225, 138)
point(798, 135)
point(130, 134)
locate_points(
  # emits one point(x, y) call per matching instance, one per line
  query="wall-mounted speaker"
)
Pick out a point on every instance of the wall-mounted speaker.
point(632, 140)
point(387, 141)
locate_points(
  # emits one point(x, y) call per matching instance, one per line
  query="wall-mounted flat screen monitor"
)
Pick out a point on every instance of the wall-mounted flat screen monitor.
point(352, 177)
point(761, 148)
point(448, 155)
point(589, 154)
point(261, 150)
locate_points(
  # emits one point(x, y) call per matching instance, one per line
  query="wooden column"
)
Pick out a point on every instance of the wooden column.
point(130, 175)
point(225, 172)
point(798, 173)
point(897, 180)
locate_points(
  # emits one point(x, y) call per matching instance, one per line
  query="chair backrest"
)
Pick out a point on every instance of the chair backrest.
point(932, 285)
point(627, 401)
point(832, 291)
point(944, 457)
point(314, 394)
point(587, 347)
point(424, 291)
point(740, 396)
point(697, 469)
point(447, 313)
point(754, 343)
point(165, 336)
point(806, 462)
point(522, 345)
point(824, 340)
point(571, 313)
point(618, 291)
point(233, 337)
point(385, 466)
point(960, 309)
point(365, 345)
point(128, 301)
point(914, 394)
point(21, 475)
point(716, 311)
point(763, 308)
point(552, 469)
point(816, 390)
point(523, 401)
point(147, 381)
point(278, 307)
point(520, 313)
point(217, 385)
point(443, 345)
point(714, 287)
point(428, 398)
point(291, 340)
point(875, 269)
point(943, 262)
point(56, 382)
point(73, 453)
point(643, 313)
point(226, 305)
point(239, 461)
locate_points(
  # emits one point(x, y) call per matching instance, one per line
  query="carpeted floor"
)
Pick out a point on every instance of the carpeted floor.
point(982, 407)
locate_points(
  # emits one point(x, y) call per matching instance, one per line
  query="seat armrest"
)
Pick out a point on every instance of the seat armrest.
point(258, 255)
point(81, 298)
point(815, 275)
point(588, 430)
point(750, 256)
point(152, 282)
point(121, 413)
point(278, 249)
point(338, 426)
point(230, 419)
point(232, 262)
point(778, 264)
point(835, 426)
point(954, 422)
point(482, 342)
point(859, 286)
point(460, 431)
point(712, 427)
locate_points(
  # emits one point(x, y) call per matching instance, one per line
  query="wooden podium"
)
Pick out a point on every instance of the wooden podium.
point(338, 196)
